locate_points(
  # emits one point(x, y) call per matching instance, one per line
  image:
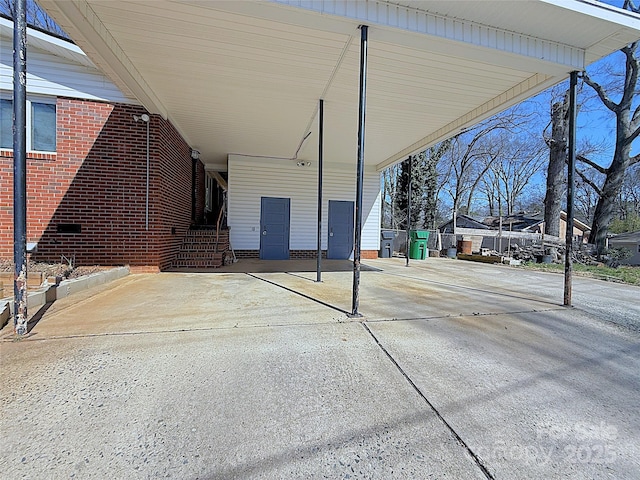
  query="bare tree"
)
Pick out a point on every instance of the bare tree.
point(432, 186)
point(586, 197)
point(628, 203)
point(473, 152)
point(519, 160)
point(630, 192)
point(556, 178)
point(389, 195)
point(627, 115)
point(466, 164)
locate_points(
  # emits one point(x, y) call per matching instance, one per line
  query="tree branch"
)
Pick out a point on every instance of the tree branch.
point(635, 118)
point(634, 160)
point(631, 77)
point(634, 134)
point(589, 182)
point(592, 164)
point(630, 5)
point(600, 91)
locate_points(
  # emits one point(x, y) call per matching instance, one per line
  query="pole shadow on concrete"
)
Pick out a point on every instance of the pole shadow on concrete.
point(303, 295)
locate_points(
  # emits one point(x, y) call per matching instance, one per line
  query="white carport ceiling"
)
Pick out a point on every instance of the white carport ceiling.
point(245, 77)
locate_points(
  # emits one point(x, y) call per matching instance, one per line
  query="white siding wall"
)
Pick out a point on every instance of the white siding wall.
point(253, 178)
point(633, 247)
point(52, 75)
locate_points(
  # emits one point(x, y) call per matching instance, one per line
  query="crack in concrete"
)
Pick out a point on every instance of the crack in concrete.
point(31, 337)
point(463, 315)
point(458, 438)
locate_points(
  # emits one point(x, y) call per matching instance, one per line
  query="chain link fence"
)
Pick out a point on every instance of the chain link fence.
point(496, 243)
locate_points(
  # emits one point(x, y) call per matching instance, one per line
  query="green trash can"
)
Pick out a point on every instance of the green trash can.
point(419, 249)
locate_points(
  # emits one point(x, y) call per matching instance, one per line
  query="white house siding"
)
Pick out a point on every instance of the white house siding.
point(56, 76)
point(253, 178)
point(633, 247)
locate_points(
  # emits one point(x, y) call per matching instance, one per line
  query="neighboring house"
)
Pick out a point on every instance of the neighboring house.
point(521, 222)
point(629, 241)
point(462, 221)
point(581, 230)
point(87, 165)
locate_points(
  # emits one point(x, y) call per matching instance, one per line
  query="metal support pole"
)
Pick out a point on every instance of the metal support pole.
point(408, 210)
point(20, 167)
point(571, 171)
point(320, 166)
point(362, 108)
point(146, 205)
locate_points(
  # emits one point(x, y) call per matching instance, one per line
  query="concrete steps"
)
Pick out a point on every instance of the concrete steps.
point(202, 248)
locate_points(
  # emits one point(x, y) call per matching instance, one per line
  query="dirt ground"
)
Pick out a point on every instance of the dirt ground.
point(55, 269)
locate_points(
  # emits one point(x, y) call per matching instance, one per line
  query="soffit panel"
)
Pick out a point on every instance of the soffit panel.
point(241, 77)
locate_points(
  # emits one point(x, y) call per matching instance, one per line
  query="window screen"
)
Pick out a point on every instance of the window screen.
point(43, 127)
point(6, 120)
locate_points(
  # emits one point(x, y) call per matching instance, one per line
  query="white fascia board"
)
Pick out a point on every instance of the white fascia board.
point(601, 11)
point(533, 85)
point(80, 21)
point(467, 33)
point(48, 43)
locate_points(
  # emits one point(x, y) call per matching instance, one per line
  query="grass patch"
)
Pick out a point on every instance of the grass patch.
point(622, 274)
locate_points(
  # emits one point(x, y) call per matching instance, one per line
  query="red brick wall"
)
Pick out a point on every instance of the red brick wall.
point(97, 179)
point(171, 209)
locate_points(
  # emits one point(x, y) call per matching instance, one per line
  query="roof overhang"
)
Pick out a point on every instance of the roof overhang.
point(245, 77)
point(48, 43)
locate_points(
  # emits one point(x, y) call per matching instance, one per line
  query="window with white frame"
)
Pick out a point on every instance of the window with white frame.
point(41, 124)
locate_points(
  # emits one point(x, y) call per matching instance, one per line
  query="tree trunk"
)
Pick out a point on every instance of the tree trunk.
point(555, 171)
point(431, 193)
point(627, 130)
point(610, 190)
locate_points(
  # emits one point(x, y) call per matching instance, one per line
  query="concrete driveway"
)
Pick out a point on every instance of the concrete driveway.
point(458, 370)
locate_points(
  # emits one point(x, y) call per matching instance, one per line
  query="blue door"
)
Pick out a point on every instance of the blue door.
point(340, 245)
point(274, 228)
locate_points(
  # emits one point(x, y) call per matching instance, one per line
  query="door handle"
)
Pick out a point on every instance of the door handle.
point(264, 232)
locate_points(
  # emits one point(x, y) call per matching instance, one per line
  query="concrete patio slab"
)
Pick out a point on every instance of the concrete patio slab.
point(456, 371)
point(534, 395)
point(305, 401)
